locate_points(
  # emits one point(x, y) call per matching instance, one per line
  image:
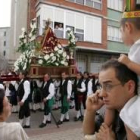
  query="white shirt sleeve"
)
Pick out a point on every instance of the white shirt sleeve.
point(51, 91)
point(26, 86)
point(83, 88)
point(69, 89)
point(89, 90)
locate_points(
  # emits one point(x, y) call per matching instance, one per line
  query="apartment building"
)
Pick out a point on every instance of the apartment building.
point(94, 22)
point(114, 14)
point(4, 46)
point(87, 19)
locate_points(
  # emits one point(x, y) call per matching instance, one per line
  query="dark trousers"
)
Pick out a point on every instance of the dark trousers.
point(80, 99)
point(24, 110)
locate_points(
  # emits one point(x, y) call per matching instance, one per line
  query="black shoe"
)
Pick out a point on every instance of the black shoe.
point(66, 120)
point(59, 122)
point(48, 121)
point(34, 111)
point(26, 126)
point(76, 119)
point(71, 107)
point(15, 112)
point(42, 125)
point(82, 118)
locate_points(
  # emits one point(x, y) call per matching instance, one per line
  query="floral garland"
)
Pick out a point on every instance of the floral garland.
point(27, 46)
point(56, 58)
point(71, 40)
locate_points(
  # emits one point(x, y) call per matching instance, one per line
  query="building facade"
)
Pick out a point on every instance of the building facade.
point(19, 16)
point(94, 22)
point(4, 47)
point(115, 9)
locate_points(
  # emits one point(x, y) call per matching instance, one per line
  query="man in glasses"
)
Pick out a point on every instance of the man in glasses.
point(118, 86)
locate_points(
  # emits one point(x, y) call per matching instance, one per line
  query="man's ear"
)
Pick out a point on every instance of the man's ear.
point(128, 27)
point(131, 87)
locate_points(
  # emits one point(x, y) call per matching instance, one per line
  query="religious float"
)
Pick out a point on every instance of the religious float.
point(45, 54)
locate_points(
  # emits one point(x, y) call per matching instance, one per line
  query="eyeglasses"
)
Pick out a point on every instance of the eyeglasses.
point(107, 87)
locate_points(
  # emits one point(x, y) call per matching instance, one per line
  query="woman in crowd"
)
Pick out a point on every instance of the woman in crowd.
point(9, 131)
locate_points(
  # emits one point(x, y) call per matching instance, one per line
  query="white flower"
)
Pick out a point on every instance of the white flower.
point(66, 63)
point(23, 29)
point(33, 38)
point(24, 66)
point(68, 57)
point(59, 46)
point(60, 51)
point(62, 62)
point(46, 57)
point(64, 54)
point(40, 61)
point(54, 58)
point(56, 64)
point(68, 29)
point(51, 54)
point(56, 48)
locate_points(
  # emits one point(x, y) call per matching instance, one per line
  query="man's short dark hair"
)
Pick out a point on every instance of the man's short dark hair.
point(123, 73)
point(25, 73)
point(134, 21)
point(2, 94)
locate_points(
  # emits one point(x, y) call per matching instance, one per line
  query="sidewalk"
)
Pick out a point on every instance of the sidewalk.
point(67, 131)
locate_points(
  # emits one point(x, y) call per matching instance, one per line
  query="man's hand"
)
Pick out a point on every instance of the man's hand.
point(21, 103)
point(124, 59)
point(44, 100)
point(105, 133)
point(94, 102)
point(78, 89)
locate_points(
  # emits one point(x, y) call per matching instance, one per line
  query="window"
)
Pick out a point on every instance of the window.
point(38, 24)
point(97, 4)
point(79, 34)
point(5, 33)
point(138, 1)
point(79, 1)
point(58, 29)
point(4, 43)
point(114, 34)
point(116, 5)
point(4, 53)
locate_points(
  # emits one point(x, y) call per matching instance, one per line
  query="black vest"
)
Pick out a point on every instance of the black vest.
point(77, 85)
point(20, 91)
point(63, 87)
point(86, 84)
point(45, 90)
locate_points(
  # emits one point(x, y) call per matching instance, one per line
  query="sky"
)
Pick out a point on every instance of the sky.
point(5, 13)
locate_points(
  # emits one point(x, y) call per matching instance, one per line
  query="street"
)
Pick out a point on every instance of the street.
point(67, 131)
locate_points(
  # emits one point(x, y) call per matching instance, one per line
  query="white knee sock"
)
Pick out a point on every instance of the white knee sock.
point(62, 117)
point(45, 119)
point(49, 117)
point(78, 114)
point(27, 123)
point(67, 115)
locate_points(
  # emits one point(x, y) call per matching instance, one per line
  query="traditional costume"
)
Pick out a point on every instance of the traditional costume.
point(23, 93)
point(65, 91)
point(48, 93)
point(79, 97)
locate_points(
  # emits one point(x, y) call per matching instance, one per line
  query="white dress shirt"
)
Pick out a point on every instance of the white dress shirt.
point(26, 86)
point(89, 90)
point(69, 89)
point(51, 91)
